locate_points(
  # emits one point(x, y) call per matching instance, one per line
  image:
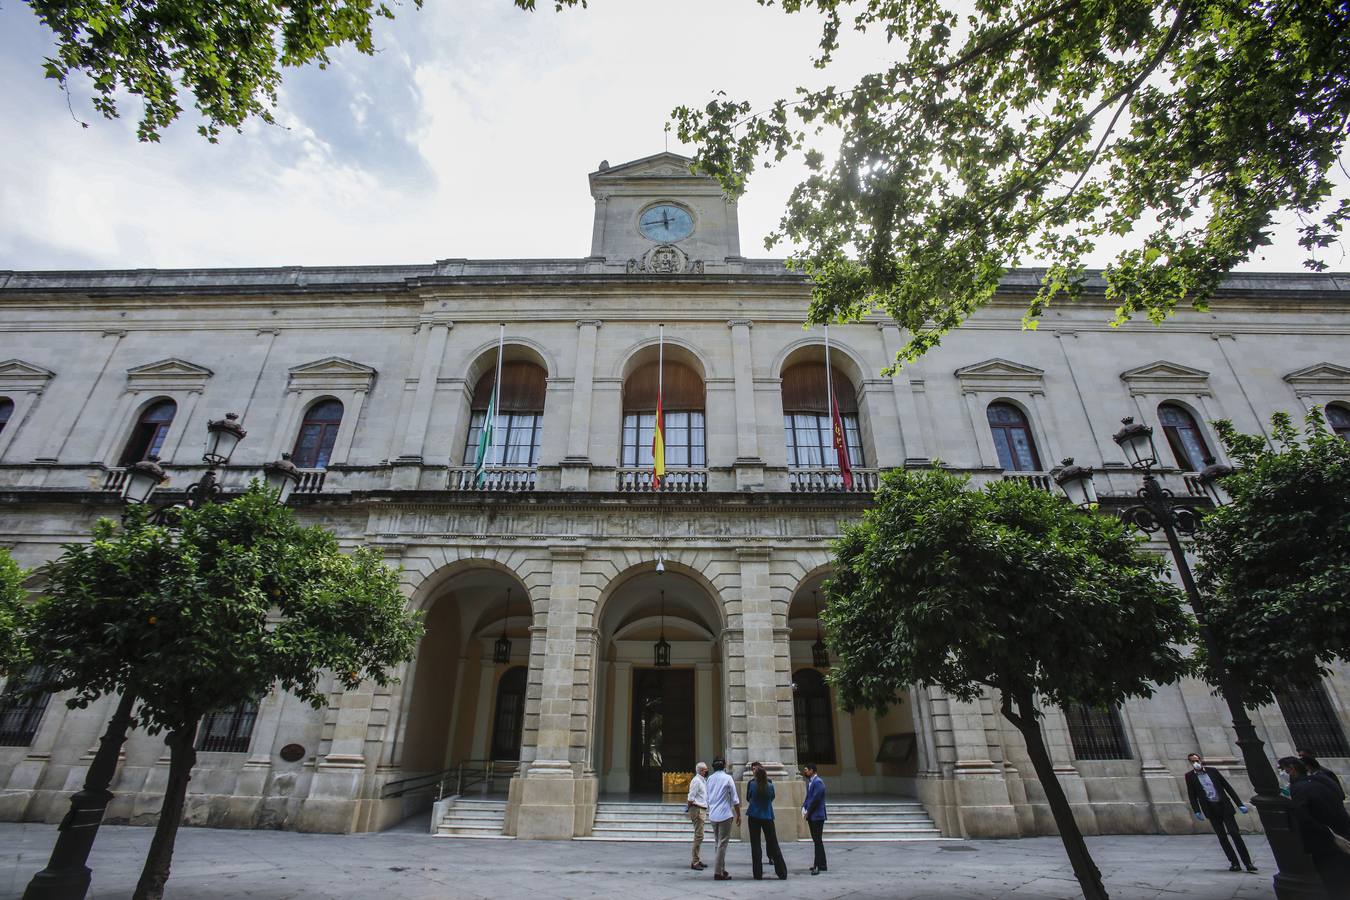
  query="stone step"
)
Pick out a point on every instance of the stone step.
point(465, 818)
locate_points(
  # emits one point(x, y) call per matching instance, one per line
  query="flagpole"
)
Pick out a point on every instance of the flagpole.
point(660, 413)
point(829, 392)
point(497, 391)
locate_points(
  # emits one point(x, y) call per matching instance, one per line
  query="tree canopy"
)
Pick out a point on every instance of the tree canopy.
point(1010, 590)
point(1275, 562)
point(12, 610)
point(228, 54)
point(1173, 131)
point(210, 611)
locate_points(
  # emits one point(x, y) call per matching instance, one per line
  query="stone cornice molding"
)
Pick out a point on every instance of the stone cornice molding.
point(572, 554)
point(17, 375)
point(1163, 377)
point(170, 374)
point(332, 373)
point(1320, 380)
point(1001, 376)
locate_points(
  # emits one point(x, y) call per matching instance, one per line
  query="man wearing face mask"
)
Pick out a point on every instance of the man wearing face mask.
point(1210, 795)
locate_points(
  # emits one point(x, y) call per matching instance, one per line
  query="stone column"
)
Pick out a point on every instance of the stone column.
point(549, 793)
point(617, 779)
point(482, 712)
point(705, 704)
point(258, 767)
point(434, 335)
point(456, 711)
point(767, 681)
point(335, 794)
point(748, 465)
point(576, 465)
point(983, 807)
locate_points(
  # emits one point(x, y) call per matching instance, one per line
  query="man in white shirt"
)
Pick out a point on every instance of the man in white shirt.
point(696, 805)
point(723, 804)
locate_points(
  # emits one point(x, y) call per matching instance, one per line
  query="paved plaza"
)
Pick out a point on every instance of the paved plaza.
point(213, 863)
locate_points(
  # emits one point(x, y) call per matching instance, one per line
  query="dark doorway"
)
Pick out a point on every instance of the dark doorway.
point(510, 718)
point(663, 726)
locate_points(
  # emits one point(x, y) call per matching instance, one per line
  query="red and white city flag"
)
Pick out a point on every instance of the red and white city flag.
point(839, 439)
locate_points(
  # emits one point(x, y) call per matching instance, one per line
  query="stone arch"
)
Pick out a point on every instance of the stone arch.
point(812, 349)
point(676, 350)
point(514, 349)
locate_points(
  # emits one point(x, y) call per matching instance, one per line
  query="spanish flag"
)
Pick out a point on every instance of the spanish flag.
point(658, 435)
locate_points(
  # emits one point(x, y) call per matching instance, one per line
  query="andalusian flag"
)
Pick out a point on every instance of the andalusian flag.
point(487, 438)
point(658, 434)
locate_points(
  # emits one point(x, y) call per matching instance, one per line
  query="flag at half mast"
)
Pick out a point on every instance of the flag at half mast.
point(658, 433)
point(487, 438)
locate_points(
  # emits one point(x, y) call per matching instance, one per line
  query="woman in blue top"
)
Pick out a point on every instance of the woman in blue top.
point(760, 797)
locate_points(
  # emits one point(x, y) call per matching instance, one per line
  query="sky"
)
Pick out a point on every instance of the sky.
point(469, 133)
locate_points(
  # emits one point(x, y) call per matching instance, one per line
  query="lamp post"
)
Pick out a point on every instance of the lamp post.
point(67, 876)
point(1295, 878)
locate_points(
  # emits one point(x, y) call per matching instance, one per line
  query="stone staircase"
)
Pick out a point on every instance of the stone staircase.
point(471, 818)
point(849, 821)
point(897, 820)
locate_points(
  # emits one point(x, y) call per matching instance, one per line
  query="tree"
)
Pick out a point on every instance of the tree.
point(1042, 129)
point(231, 600)
point(1007, 590)
point(12, 612)
point(1275, 562)
point(227, 53)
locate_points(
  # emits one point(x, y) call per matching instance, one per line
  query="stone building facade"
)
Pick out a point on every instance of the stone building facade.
point(376, 379)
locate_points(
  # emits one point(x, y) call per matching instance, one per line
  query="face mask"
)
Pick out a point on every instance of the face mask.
point(1197, 766)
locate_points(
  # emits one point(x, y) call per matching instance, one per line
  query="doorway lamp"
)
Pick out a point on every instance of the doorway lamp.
point(501, 649)
point(67, 876)
point(662, 646)
point(1157, 511)
point(820, 654)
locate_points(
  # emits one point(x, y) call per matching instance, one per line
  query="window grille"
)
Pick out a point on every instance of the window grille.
point(20, 717)
point(1313, 723)
point(1096, 732)
point(229, 730)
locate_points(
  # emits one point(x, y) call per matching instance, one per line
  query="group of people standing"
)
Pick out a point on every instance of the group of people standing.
point(713, 798)
point(1319, 815)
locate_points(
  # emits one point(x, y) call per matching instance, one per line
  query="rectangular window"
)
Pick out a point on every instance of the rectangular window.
point(19, 718)
point(1096, 732)
point(229, 730)
point(1313, 723)
point(810, 443)
point(683, 434)
point(517, 438)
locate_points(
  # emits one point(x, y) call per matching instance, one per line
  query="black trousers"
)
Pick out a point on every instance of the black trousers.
point(1225, 826)
point(765, 827)
point(816, 829)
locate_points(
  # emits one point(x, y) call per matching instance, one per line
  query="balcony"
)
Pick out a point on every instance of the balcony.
point(311, 480)
point(502, 479)
point(820, 481)
point(1042, 481)
point(675, 481)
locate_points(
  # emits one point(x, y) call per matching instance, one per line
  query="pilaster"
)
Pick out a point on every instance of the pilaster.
point(435, 332)
point(749, 467)
point(576, 465)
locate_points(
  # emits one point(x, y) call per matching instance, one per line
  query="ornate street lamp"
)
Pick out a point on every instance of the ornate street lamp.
point(1156, 511)
point(1076, 482)
point(66, 876)
point(501, 649)
point(282, 476)
point(662, 646)
point(1210, 477)
point(820, 654)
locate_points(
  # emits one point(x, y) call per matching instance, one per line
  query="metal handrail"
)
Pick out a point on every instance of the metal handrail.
point(454, 781)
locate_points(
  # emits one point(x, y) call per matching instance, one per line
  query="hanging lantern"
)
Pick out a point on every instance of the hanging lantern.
point(820, 654)
point(663, 645)
point(501, 649)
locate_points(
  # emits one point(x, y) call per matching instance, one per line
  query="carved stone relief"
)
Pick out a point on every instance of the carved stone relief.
point(665, 259)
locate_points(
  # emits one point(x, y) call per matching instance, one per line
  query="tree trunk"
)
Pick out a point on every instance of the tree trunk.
point(182, 757)
point(1084, 869)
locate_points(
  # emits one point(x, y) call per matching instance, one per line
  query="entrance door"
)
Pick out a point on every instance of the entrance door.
point(663, 726)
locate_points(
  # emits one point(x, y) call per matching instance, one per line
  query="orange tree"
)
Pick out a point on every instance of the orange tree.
point(227, 602)
point(1009, 591)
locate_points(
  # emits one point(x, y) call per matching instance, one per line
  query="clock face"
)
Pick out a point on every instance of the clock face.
point(665, 222)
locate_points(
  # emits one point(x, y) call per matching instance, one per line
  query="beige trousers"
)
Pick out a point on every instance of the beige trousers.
point(699, 817)
point(721, 834)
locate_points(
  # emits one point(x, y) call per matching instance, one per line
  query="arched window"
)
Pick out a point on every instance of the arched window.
point(147, 437)
point(517, 431)
point(1184, 437)
point(1339, 417)
point(509, 720)
point(314, 445)
point(6, 410)
point(806, 417)
point(814, 716)
point(1012, 438)
point(682, 407)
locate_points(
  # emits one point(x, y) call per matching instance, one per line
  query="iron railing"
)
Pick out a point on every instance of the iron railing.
point(459, 779)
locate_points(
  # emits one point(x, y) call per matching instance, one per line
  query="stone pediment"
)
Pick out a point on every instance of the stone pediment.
point(660, 165)
point(1322, 378)
point(168, 374)
point(17, 375)
point(1163, 377)
point(332, 373)
point(1000, 375)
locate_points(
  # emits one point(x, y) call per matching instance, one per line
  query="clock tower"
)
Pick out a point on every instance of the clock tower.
point(653, 215)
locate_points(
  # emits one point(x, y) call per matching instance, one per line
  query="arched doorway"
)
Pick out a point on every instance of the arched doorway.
point(859, 752)
point(466, 698)
point(657, 721)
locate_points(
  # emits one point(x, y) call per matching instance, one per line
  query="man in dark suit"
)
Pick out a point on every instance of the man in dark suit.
point(813, 811)
point(1319, 813)
point(1213, 798)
